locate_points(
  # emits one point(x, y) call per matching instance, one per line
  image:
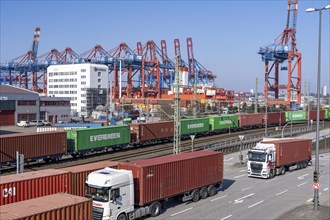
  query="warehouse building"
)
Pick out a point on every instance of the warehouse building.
point(85, 84)
point(17, 104)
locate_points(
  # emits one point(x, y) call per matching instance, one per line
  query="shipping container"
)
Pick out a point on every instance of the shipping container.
point(313, 115)
point(167, 176)
point(223, 122)
point(290, 151)
point(57, 206)
point(80, 125)
point(194, 126)
point(78, 174)
point(295, 115)
point(33, 145)
point(82, 140)
point(153, 131)
point(274, 118)
point(327, 114)
point(24, 186)
point(250, 120)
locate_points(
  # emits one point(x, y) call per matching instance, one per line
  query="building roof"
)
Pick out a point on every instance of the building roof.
point(8, 89)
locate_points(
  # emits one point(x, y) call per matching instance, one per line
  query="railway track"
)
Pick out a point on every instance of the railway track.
point(229, 140)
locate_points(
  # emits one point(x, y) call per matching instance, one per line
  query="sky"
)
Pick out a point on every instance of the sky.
point(226, 34)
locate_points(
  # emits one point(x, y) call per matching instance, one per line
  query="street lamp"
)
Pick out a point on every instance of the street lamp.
point(316, 171)
point(241, 137)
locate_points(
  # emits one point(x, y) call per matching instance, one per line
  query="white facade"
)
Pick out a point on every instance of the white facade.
point(73, 81)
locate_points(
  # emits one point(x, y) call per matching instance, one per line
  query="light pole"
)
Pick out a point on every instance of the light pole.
point(316, 171)
point(241, 137)
point(192, 142)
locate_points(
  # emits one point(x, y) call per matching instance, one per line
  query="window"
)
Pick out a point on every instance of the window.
point(83, 76)
point(27, 102)
point(99, 80)
point(83, 83)
point(99, 86)
point(51, 80)
point(50, 92)
point(99, 74)
point(83, 70)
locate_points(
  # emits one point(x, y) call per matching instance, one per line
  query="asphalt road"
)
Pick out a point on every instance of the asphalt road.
point(243, 197)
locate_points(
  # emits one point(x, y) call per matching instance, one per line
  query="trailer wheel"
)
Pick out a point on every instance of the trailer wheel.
point(195, 197)
point(305, 164)
point(122, 216)
point(155, 209)
point(211, 190)
point(203, 193)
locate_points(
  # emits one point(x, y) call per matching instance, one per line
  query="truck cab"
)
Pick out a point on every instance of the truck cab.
point(261, 161)
point(112, 192)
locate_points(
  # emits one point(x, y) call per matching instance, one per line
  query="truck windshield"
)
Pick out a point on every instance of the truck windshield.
point(257, 156)
point(97, 194)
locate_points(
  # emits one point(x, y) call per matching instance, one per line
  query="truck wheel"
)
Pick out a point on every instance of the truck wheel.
point(283, 170)
point(155, 209)
point(305, 164)
point(211, 190)
point(122, 216)
point(195, 197)
point(203, 193)
point(271, 174)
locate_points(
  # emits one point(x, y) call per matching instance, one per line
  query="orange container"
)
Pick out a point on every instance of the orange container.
point(78, 174)
point(57, 206)
point(30, 185)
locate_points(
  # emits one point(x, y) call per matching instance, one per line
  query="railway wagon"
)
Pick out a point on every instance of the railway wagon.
point(152, 132)
point(313, 114)
point(223, 122)
point(96, 139)
point(57, 206)
point(295, 115)
point(25, 186)
point(327, 114)
point(274, 118)
point(37, 145)
point(250, 120)
point(78, 175)
point(194, 126)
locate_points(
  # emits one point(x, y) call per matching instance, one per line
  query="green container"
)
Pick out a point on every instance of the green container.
point(327, 114)
point(295, 116)
point(92, 138)
point(223, 122)
point(193, 126)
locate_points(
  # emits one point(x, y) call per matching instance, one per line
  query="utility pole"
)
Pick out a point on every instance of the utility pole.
point(256, 98)
point(177, 124)
point(195, 94)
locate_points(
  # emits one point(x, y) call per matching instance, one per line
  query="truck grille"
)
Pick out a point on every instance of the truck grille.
point(97, 213)
point(256, 167)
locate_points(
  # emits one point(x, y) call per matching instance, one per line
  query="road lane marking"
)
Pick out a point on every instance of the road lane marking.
point(247, 188)
point(212, 200)
point(256, 204)
point(241, 171)
point(303, 176)
point(309, 200)
point(181, 211)
point(270, 180)
point(326, 189)
point(229, 159)
point(302, 184)
point(282, 192)
point(239, 176)
point(240, 200)
point(227, 217)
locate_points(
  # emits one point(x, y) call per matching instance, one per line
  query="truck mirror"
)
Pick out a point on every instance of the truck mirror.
point(269, 157)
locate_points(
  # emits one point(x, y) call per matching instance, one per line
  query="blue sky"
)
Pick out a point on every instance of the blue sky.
point(226, 34)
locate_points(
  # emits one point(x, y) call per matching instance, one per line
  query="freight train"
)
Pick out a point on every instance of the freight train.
point(78, 142)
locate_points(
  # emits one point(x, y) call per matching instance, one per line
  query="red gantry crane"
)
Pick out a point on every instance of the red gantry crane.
point(283, 55)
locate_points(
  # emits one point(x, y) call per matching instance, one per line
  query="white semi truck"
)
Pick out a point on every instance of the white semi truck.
point(275, 156)
point(141, 188)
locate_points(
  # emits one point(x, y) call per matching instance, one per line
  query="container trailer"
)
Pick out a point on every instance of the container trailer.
point(274, 157)
point(56, 206)
point(141, 188)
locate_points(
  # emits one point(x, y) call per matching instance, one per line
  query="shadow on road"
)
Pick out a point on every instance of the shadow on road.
point(226, 184)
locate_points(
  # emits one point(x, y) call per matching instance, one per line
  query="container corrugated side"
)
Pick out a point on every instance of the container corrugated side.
point(193, 126)
point(78, 174)
point(164, 177)
point(295, 115)
point(29, 185)
point(289, 151)
point(32, 145)
point(223, 122)
point(57, 206)
point(250, 120)
point(327, 114)
point(274, 118)
point(313, 114)
point(153, 130)
point(97, 138)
